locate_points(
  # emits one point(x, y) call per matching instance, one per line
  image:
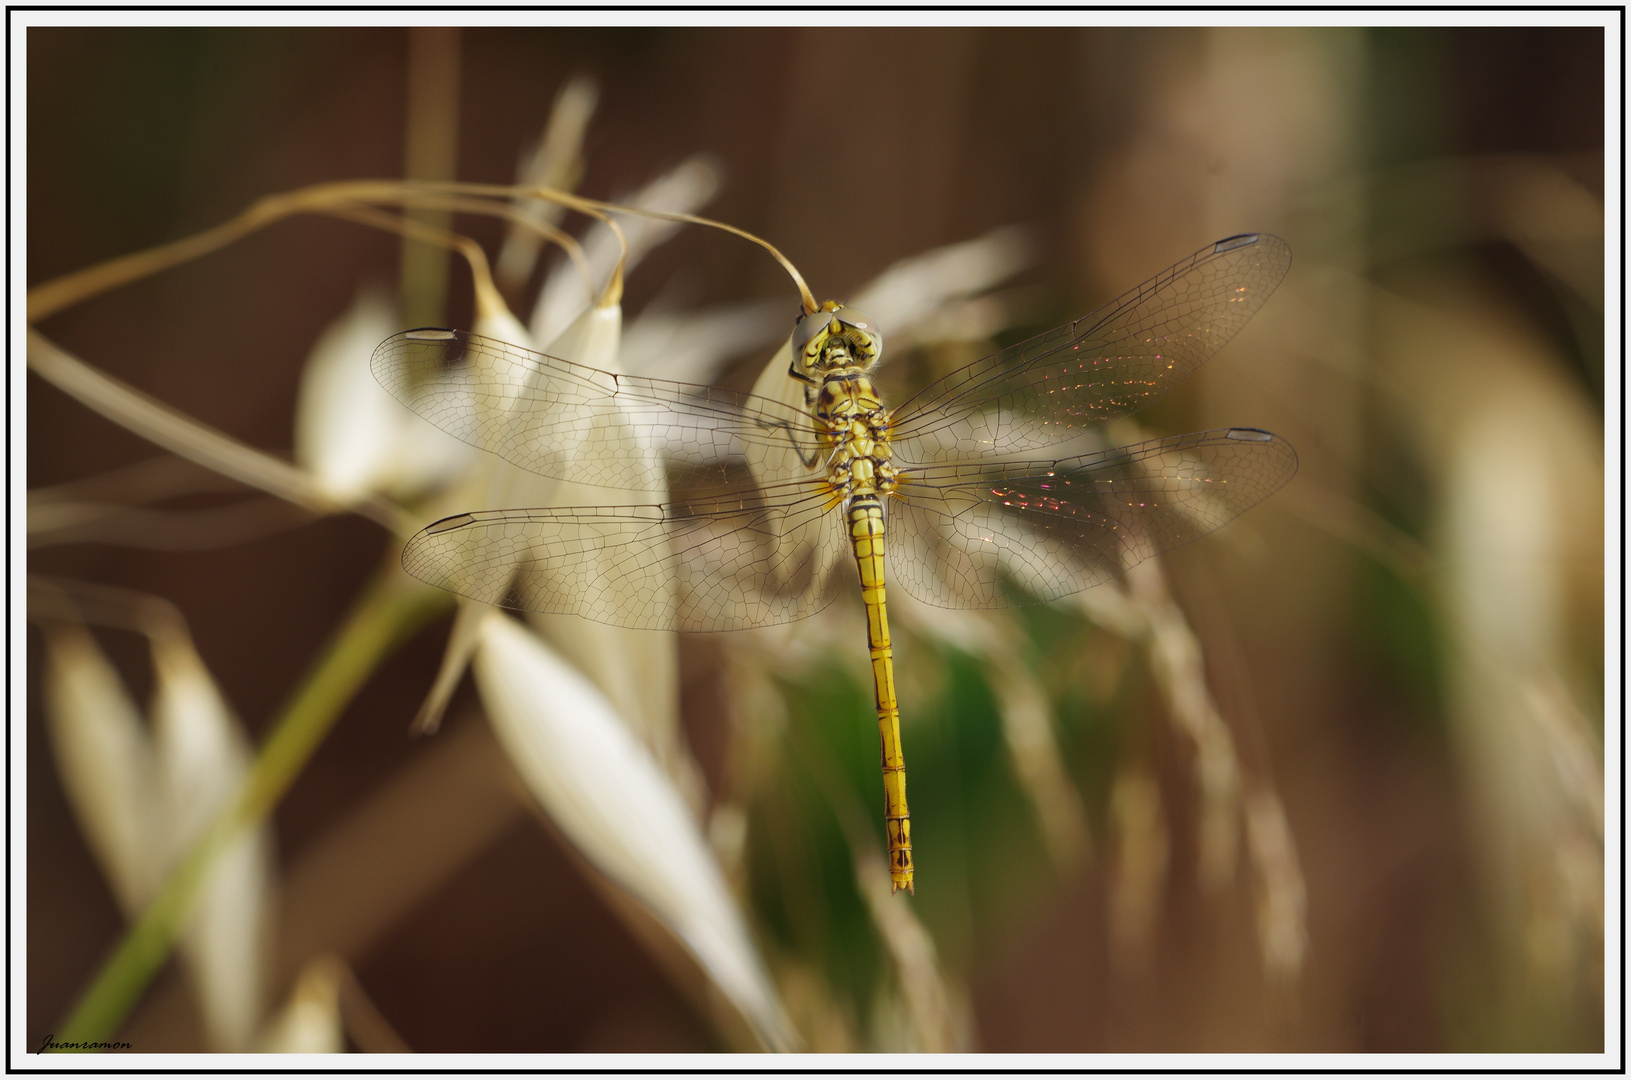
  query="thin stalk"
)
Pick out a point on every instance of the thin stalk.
point(390, 609)
point(432, 154)
point(809, 301)
point(176, 431)
point(519, 222)
point(589, 206)
point(53, 296)
point(488, 299)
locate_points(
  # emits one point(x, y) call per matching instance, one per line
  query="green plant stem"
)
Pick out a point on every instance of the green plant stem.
point(390, 609)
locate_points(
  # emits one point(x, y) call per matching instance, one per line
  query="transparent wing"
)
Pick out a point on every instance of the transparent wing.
point(1099, 368)
point(749, 558)
point(965, 535)
point(572, 422)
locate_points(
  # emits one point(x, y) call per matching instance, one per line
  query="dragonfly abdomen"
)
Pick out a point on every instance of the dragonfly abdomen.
point(866, 529)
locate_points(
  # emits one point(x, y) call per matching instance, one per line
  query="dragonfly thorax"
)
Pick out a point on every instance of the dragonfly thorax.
point(834, 350)
point(855, 432)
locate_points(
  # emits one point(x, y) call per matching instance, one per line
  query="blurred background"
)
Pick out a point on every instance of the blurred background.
point(1330, 780)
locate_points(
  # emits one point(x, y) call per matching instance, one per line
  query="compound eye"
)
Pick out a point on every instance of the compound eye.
point(869, 328)
point(851, 317)
point(805, 330)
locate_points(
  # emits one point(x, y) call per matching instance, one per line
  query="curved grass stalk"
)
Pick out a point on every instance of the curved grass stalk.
point(562, 239)
point(55, 295)
point(805, 296)
point(613, 293)
point(390, 609)
point(178, 432)
point(488, 300)
point(152, 529)
point(578, 202)
point(114, 506)
point(104, 605)
point(586, 205)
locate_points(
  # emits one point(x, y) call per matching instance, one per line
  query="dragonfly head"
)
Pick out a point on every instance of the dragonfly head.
point(835, 337)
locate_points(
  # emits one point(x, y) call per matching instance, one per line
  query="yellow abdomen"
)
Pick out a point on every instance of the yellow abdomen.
point(866, 533)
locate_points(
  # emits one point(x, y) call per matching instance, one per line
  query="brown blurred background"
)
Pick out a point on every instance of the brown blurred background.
point(1437, 189)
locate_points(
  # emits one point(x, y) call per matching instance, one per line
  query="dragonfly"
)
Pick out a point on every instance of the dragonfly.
point(771, 503)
